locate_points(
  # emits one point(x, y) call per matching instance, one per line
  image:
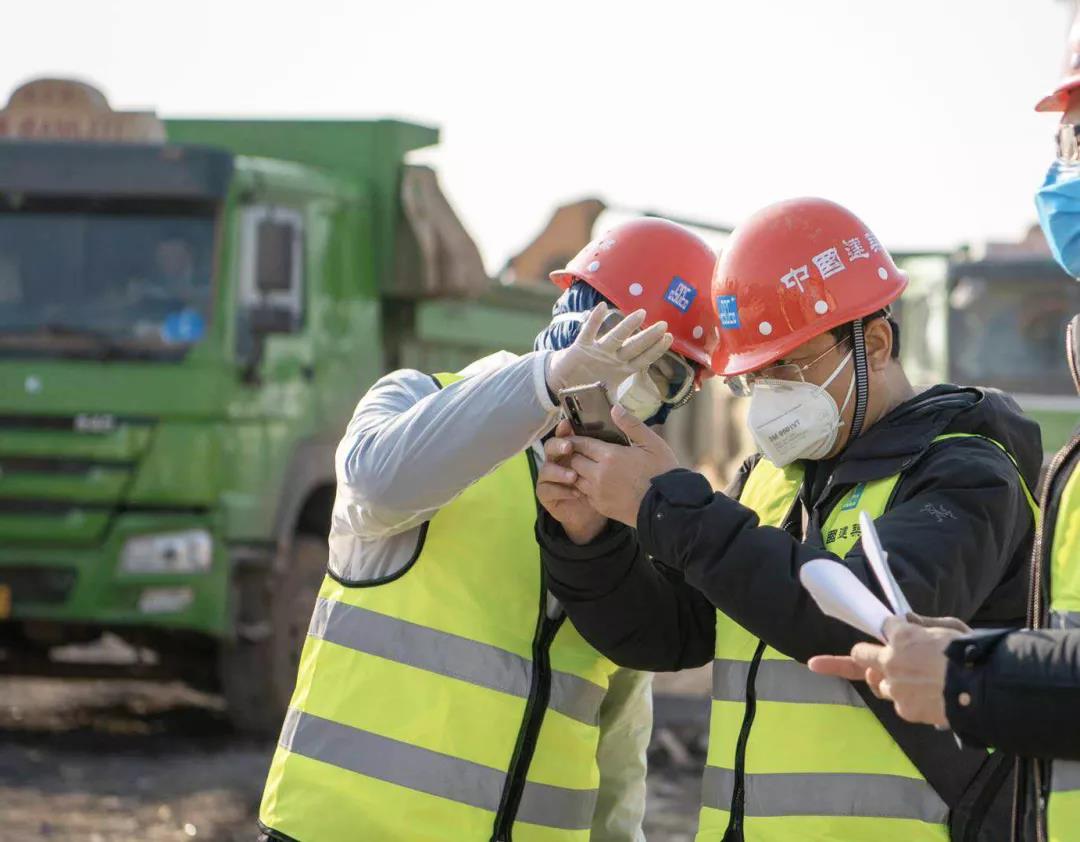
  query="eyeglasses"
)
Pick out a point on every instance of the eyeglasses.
point(673, 375)
point(742, 385)
point(1067, 140)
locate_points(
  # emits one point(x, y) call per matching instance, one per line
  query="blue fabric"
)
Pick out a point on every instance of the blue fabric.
point(561, 333)
point(1058, 205)
point(580, 298)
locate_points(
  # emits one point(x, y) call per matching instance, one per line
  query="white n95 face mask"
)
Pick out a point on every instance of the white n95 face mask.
point(792, 419)
point(638, 395)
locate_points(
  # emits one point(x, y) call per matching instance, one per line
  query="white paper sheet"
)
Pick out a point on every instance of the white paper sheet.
point(879, 563)
point(839, 593)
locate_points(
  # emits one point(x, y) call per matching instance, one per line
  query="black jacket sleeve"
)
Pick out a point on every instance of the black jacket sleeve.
point(1017, 691)
point(638, 612)
point(957, 520)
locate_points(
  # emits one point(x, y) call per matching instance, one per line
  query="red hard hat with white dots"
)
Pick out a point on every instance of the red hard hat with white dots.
point(657, 266)
point(1058, 98)
point(792, 271)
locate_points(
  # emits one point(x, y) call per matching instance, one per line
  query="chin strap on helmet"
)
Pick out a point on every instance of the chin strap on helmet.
point(862, 377)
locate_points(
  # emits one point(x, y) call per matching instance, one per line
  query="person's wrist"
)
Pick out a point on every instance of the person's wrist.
point(584, 532)
point(550, 373)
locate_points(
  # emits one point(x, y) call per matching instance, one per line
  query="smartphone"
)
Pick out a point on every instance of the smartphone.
point(589, 411)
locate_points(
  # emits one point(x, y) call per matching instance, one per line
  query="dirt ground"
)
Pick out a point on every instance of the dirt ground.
point(112, 761)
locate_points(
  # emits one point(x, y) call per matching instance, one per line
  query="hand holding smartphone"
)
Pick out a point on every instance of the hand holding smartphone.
point(588, 409)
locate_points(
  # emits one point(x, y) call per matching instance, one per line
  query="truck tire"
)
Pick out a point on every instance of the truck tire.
point(258, 667)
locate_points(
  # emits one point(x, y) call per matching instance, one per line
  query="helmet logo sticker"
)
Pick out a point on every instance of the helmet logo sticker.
point(728, 310)
point(765, 328)
point(883, 273)
point(680, 293)
point(699, 331)
point(636, 289)
point(821, 307)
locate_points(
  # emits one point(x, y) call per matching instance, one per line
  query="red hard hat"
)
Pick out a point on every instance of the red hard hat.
point(791, 272)
point(657, 266)
point(1058, 99)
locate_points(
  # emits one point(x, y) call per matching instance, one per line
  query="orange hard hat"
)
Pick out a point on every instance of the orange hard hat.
point(791, 272)
point(1058, 99)
point(657, 266)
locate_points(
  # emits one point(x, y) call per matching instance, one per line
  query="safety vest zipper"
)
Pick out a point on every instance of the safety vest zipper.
point(738, 793)
point(535, 708)
point(734, 833)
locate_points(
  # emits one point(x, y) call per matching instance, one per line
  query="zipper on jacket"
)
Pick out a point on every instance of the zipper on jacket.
point(535, 708)
point(738, 793)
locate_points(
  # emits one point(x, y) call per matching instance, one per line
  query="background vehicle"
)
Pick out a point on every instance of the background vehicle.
point(189, 311)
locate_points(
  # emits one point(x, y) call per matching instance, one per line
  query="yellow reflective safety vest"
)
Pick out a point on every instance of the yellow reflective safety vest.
point(443, 702)
point(1063, 801)
point(796, 755)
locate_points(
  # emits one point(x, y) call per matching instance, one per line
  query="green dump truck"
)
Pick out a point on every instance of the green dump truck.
point(995, 319)
point(189, 311)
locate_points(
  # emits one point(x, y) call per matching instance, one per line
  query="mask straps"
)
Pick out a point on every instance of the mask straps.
point(850, 389)
point(834, 375)
point(862, 378)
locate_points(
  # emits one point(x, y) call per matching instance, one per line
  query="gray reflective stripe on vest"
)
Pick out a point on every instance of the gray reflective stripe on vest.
point(429, 771)
point(1064, 776)
point(780, 681)
point(451, 655)
point(826, 794)
point(1065, 619)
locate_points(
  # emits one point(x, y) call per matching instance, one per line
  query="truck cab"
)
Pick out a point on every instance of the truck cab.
point(188, 315)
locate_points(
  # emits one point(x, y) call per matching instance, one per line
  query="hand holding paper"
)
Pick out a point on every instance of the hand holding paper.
point(839, 593)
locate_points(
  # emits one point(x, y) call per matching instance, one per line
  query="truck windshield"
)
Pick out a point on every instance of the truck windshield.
point(114, 279)
point(1011, 333)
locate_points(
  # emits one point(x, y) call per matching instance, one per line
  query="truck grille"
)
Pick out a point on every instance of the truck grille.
point(63, 477)
point(40, 585)
point(47, 465)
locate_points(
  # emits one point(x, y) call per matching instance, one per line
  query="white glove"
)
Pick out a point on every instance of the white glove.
point(620, 353)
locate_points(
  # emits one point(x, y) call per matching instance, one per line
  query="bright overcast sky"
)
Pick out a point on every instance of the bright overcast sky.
point(917, 114)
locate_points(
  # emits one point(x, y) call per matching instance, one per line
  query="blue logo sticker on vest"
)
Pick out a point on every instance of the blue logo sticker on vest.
point(680, 293)
point(728, 310)
point(854, 498)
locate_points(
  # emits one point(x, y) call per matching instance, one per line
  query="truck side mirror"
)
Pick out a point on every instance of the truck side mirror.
point(271, 282)
point(255, 324)
point(268, 318)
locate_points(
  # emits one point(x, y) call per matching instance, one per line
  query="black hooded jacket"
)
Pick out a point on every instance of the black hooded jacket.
point(958, 533)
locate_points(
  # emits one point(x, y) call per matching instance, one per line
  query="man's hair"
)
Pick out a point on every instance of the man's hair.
point(843, 331)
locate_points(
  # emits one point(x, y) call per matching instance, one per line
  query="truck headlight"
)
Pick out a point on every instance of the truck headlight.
point(169, 552)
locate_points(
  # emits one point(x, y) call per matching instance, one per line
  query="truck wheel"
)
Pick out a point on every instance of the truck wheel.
point(258, 667)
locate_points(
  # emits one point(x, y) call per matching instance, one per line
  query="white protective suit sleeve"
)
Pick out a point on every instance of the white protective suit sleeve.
point(410, 449)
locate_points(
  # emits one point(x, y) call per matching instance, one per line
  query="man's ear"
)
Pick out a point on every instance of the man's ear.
point(879, 342)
